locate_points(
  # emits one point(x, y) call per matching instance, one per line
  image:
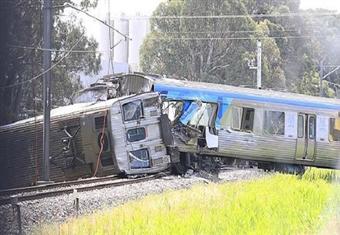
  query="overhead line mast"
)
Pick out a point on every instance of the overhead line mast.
point(47, 32)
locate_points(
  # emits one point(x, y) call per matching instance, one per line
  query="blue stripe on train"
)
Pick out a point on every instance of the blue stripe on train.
point(187, 93)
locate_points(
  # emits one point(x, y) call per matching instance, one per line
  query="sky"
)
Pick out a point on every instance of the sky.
point(327, 4)
point(147, 6)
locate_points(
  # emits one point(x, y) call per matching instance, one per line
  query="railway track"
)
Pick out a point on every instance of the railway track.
point(13, 196)
point(51, 186)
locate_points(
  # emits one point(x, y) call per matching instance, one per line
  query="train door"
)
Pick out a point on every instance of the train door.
point(305, 149)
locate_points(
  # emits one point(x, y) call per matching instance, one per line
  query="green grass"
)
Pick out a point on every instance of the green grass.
point(313, 174)
point(279, 204)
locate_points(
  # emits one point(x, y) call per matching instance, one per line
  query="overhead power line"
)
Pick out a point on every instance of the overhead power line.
point(54, 50)
point(49, 69)
point(93, 17)
point(228, 31)
point(240, 38)
point(184, 39)
point(300, 14)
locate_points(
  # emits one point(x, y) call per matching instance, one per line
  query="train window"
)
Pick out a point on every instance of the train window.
point(243, 119)
point(311, 127)
point(236, 122)
point(133, 110)
point(274, 123)
point(247, 119)
point(301, 126)
point(139, 159)
point(334, 132)
point(99, 122)
point(173, 109)
point(136, 134)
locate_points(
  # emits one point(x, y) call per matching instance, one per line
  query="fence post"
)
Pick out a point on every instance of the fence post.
point(76, 201)
point(16, 207)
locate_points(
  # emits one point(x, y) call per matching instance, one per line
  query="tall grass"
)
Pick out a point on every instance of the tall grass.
point(313, 174)
point(280, 204)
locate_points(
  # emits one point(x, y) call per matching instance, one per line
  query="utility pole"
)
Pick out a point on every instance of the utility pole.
point(321, 78)
point(258, 66)
point(47, 32)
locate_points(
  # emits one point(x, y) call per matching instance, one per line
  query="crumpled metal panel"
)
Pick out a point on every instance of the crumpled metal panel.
point(135, 84)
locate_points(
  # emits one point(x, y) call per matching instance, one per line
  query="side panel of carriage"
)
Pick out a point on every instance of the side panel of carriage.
point(257, 131)
point(21, 152)
point(281, 133)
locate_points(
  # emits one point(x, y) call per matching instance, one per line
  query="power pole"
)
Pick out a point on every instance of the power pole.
point(321, 78)
point(258, 66)
point(47, 32)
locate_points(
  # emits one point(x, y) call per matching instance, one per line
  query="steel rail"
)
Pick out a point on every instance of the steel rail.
point(9, 192)
point(69, 190)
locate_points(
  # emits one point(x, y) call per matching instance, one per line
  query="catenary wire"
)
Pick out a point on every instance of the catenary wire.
point(234, 16)
point(185, 39)
point(53, 50)
point(49, 69)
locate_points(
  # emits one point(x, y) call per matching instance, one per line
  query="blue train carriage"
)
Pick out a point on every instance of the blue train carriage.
point(123, 132)
point(278, 130)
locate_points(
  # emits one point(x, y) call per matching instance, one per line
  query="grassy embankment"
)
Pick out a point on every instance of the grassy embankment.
point(278, 204)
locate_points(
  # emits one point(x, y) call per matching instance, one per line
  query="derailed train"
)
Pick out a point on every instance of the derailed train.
point(157, 122)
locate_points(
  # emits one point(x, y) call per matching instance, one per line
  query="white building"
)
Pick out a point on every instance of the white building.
point(126, 51)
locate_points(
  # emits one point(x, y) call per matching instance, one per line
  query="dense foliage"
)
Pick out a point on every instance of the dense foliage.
point(218, 49)
point(21, 58)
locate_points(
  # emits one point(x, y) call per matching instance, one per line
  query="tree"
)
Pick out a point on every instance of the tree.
point(209, 49)
point(22, 26)
point(218, 49)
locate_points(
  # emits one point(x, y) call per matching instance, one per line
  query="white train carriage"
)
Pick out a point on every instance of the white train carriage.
point(290, 130)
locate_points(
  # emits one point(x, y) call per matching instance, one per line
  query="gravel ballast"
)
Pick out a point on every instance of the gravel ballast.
point(60, 208)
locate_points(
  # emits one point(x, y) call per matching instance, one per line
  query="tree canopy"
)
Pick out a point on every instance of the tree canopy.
point(214, 41)
point(21, 56)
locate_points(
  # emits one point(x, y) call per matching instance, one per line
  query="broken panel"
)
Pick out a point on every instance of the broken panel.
point(189, 110)
point(203, 115)
point(139, 159)
point(173, 109)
